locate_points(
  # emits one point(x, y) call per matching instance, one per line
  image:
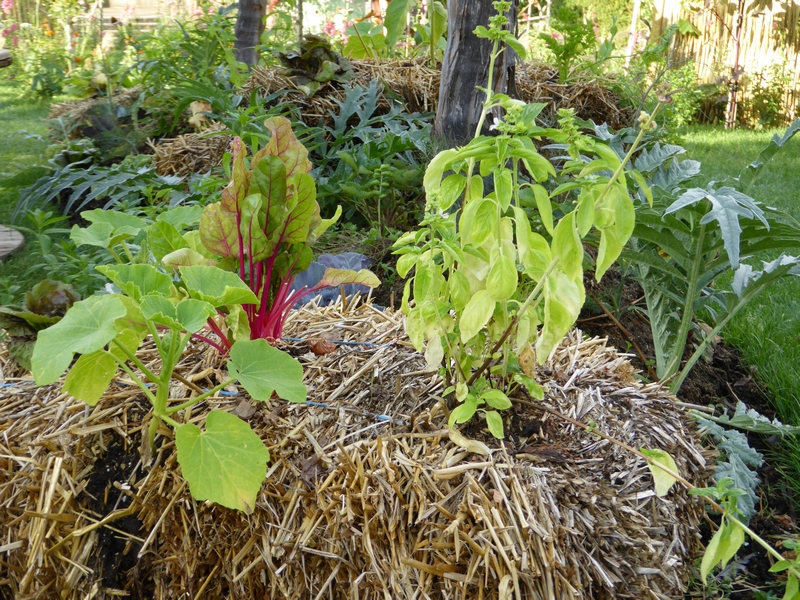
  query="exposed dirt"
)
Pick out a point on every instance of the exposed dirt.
point(722, 380)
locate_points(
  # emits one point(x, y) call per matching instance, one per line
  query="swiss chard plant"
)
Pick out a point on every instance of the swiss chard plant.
point(226, 463)
point(263, 229)
point(689, 238)
point(44, 305)
point(487, 283)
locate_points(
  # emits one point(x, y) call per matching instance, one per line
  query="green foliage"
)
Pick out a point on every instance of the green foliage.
point(372, 163)
point(224, 464)
point(764, 105)
point(689, 238)
point(485, 282)
point(77, 185)
point(44, 305)
point(572, 39)
point(315, 64)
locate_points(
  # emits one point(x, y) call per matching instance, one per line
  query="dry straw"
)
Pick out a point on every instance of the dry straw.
point(191, 152)
point(365, 496)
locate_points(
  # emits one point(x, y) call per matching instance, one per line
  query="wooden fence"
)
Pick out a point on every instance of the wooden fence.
point(740, 41)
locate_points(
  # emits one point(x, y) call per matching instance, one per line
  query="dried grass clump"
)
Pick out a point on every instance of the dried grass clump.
point(365, 496)
point(418, 87)
point(191, 152)
point(73, 112)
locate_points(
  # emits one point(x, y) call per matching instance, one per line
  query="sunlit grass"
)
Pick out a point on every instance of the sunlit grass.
point(21, 157)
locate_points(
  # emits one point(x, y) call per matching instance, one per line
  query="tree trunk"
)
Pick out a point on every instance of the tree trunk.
point(466, 67)
point(248, 30)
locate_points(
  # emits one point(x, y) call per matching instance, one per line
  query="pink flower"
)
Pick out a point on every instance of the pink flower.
point(7, 6)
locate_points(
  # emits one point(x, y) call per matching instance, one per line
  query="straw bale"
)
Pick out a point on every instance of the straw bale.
point(191, 152)
point(418, 88)
point(365, 496)
point(75, 111)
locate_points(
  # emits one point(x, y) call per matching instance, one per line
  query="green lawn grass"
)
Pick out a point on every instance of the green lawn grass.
point(768, 330)
point(21, 118)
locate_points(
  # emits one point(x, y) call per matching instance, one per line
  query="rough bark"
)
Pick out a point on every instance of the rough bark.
point(248, 30)
point(465, 68)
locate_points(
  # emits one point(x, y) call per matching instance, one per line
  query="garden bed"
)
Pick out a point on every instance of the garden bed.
point(366, 494)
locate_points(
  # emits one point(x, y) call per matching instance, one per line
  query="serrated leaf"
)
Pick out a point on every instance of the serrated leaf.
point(163, 238)
point(87, 327)
point(90, 376)
point(262, 369)
point(663, 480)
point(182, 217)
point(115, 218)
point(225, 464)
point(97, 234)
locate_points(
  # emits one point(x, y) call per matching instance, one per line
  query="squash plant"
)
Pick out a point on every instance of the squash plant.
point(485, 282)
point(226, 463)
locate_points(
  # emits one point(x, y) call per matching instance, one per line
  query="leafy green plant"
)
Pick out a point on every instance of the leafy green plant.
point(262, 229)
point(372, 163)
point(315, 64)
point(692, 236)
point(572, 39)
point(76, 186)
point(368, 40)
point(484, 281)
point(43, 306)
point(226, 463)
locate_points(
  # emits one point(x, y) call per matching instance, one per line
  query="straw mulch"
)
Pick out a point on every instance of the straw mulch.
point(418, 87)
point(76, 111)
point(191, 152)
point(365, 497)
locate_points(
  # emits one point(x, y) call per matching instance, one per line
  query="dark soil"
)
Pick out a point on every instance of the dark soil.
point(720, 381)
point(118, 568)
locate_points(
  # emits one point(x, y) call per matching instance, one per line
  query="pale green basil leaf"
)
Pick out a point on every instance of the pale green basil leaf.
point(87, 327)
point(567, 246)
point(262, 369)
point(501, 283)
point(663, 480)
point(406, 262)
point(544, 206)
point(458, 287)
point(452, 187)
point(436, 168)
point(495, 424)
point(462, 413)
point(225, 464)
point(562, 305)
point(476, 315)
point(503, 188)
point(415, 328)
point(496, 399)
point(434, 352)
point(711, 557)
point(585, 212)
point(533, 387)
point(485, 224)
point(90, 376)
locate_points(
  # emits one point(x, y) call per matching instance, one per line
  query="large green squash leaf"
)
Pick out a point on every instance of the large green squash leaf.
point(215, 286)
point(262, 369)
point(90, 377)
point(226, 463)
point(137, 281)
point(87, 327)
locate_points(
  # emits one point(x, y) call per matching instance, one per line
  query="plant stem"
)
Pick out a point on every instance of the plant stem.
point(536, 291)
point(141, 384)
point(139, 365)
point(173, 409)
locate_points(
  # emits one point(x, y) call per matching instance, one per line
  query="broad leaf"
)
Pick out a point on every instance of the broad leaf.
point(218, 231)
point(285, 145)
point(87, 327)
point(216, 286)
point(476, 315)
point(495, 424)
point(90, 376)
point(262, 369)
point(336, 277)
point(663, 480)
point(163, 238)
point(225, 464)
point(137, 281)
point(115, 218)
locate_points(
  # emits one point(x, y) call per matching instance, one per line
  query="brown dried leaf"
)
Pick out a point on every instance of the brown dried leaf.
point(322, 346)
point(527, 360)
point(244, 410)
